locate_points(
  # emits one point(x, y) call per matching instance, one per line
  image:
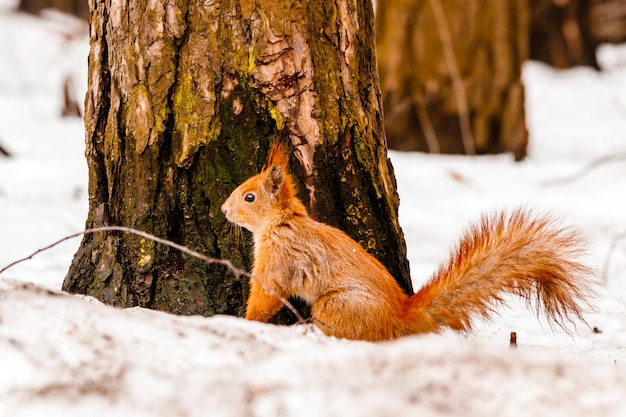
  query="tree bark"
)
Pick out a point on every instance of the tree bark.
point(451, 74)
point(184, 99)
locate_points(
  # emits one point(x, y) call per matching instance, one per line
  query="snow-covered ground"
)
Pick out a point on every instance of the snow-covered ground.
point(63, 355)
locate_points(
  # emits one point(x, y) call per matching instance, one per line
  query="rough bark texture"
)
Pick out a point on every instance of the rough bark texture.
point(433, 85)
point(184, 98)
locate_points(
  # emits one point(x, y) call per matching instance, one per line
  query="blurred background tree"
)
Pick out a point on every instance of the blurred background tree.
point(450, 70)
point(78, 8)
point(567, 33)
point(560, 34)
point(451, 74)
point(608, 20)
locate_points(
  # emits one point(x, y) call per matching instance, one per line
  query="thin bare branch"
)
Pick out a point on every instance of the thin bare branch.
point(585, 170)
point(208, 260)
point(40, 250)
point(455, 74)
point(430, 134)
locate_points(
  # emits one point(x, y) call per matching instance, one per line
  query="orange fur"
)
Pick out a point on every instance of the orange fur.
point(353, 296)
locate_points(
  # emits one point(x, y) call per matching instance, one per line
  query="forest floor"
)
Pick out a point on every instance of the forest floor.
point(63, 355)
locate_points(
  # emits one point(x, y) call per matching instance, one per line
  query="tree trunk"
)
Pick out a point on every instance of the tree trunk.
point(184, 99)
point(451, 74)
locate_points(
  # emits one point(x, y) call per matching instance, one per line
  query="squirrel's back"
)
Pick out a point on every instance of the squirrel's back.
point(351, 294)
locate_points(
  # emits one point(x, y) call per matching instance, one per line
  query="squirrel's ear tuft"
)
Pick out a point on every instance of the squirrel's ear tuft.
point(277, 157)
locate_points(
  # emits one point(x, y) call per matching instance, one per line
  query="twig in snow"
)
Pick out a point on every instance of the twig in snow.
point(585, 170)
point(208, 260)
point(4, 152)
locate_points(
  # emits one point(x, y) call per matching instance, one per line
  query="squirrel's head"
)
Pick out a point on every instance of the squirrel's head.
point(266, 198)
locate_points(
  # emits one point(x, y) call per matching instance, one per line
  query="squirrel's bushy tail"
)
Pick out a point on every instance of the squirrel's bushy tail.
point(515, 253)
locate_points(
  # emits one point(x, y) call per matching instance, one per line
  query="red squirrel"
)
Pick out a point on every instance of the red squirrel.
point(353, 296)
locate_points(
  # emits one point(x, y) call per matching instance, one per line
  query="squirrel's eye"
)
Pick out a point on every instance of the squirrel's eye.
point(249, 197)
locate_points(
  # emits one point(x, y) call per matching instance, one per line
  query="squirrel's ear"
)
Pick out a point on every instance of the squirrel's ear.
point(278, 182)
point(275, 180)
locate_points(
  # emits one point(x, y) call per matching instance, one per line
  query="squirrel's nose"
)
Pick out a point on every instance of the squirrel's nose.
point(224, 209)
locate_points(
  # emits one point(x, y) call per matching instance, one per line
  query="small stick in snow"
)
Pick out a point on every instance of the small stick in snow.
point(513, 340)
point(4, 152)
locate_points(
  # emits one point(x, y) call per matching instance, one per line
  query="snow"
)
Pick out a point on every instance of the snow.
point(150, 363)
point(63, 355)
